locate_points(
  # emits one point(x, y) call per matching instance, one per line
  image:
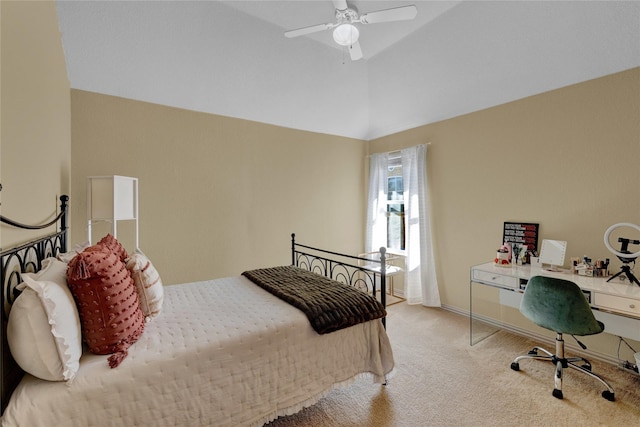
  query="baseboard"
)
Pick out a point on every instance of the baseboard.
point(537, 337)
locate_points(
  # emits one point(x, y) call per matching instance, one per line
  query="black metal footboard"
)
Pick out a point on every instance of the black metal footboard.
point(366, 274)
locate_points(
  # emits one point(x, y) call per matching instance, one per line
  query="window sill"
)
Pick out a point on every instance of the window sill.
point(398, 252)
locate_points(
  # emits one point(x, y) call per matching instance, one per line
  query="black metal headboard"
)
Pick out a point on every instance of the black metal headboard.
point(13, 262)
point(341, 268)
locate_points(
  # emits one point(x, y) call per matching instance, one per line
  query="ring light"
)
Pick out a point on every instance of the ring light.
point(614, 251)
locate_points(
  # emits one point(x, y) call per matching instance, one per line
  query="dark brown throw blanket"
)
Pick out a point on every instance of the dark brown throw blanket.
point(329, 305)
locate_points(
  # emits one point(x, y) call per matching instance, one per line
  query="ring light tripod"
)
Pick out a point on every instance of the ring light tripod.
point(624, 254)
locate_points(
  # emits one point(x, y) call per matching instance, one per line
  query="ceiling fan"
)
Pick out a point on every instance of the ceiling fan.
point(345, 33)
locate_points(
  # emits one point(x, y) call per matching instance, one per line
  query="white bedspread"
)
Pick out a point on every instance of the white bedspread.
point(222, 353)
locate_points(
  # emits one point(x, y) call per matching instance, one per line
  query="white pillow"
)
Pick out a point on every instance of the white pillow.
point(148, 283)
point(66, 257)
point(44, 331)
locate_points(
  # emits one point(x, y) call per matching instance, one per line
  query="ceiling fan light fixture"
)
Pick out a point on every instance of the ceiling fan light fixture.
point(345, 34)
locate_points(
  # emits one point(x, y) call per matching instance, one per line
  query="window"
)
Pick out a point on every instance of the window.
point(398, 216)
point(395, 209)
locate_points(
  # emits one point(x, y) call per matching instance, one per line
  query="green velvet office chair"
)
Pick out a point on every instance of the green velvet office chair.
point(560, 306)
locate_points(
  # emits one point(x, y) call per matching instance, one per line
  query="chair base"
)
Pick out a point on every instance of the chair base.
point(578, 363)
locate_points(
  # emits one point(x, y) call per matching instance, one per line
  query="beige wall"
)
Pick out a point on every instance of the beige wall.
point(35, 134)
point(206, 181)
point(212, 187)
point(566, 159)
point(218, 195)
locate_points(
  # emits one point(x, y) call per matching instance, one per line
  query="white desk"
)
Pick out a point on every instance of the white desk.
point(615, 303)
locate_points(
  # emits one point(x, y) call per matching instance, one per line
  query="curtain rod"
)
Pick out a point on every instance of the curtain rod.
point(395, 153)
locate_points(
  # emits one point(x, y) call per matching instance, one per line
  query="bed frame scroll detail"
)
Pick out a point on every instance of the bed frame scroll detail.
point(13, 262)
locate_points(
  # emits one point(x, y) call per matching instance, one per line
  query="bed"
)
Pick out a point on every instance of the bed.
point(221, 352)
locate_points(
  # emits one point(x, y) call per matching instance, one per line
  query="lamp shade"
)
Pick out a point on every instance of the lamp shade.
point(345, 34)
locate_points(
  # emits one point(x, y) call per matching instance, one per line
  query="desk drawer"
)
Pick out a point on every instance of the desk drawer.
point(615, 303)
point(495, 279)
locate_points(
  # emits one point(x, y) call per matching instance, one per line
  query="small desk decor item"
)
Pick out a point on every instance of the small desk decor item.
point(587, 267)
point(519, 254)
point(503, 256)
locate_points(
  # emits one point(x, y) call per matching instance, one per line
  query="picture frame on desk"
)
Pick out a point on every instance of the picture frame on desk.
point(523, 238)
point(523, 233)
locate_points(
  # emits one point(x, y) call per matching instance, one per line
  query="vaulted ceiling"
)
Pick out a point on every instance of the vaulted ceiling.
point(231, 57)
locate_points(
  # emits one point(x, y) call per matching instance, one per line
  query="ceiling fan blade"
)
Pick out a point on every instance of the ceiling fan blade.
point(355, 51)
point(340, 4)
point(403, 13)
point(308, 30)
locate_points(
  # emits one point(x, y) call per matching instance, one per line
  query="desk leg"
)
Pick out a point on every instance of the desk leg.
point(480, 327)
point(470, 312)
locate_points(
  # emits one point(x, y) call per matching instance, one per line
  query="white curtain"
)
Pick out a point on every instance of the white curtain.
point(420, 282)
point(376, 236)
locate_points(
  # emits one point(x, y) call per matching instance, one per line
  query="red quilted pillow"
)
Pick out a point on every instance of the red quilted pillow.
point(107, 301)
point(115, 246)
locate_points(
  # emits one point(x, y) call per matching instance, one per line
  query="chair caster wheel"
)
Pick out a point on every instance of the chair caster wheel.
point(557, 393)
point(515, 366)
point(533, 352)
point(611, 397)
